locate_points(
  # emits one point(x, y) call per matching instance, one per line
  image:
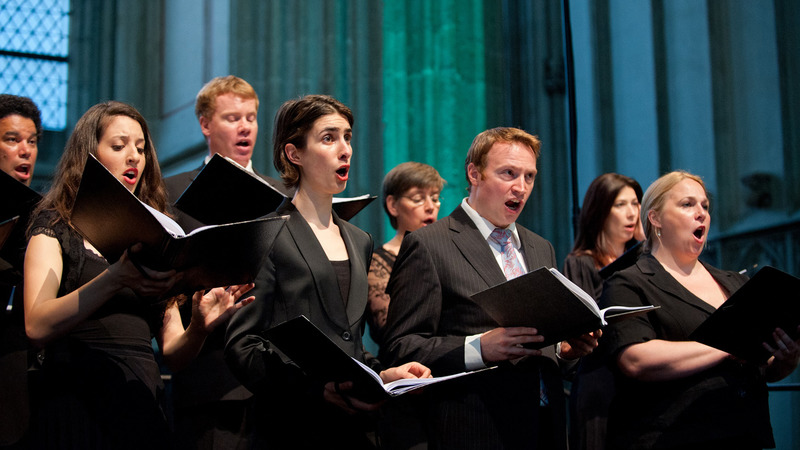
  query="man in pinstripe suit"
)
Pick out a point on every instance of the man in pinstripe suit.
point(433, 320)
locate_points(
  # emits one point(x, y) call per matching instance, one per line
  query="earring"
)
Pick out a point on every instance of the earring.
point(658, 232)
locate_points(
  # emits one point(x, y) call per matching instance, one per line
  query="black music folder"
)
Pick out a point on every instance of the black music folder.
point(17, 199)
point(17, 202)
point(112, 219)
point(226, 192)
point(321, 359)
point(6, 227)
point(767, 301)
point(548, 301)
point(347, 207)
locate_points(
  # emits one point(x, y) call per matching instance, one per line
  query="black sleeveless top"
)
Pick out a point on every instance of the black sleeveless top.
point(99, 386)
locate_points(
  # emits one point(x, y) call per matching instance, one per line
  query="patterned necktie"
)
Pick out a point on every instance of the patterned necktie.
point(512, 269)
point(511, 265)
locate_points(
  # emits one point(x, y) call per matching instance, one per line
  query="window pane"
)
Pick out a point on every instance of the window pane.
point(45, 82)
point(34, 26)
point(29, 29)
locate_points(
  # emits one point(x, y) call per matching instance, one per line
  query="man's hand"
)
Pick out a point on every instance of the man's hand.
point(503, 344)
point(407, 370)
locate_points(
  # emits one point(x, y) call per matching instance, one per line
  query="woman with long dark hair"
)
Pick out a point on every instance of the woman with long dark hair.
point(609, 225)
point(98, 383)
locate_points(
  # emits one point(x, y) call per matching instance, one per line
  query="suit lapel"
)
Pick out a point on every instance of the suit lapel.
point(662, 280)
point(474, 248)
point(319, 266)
point(357, 297)
point(528, 250)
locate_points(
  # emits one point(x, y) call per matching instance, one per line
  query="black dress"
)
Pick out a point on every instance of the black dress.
point(99, 386)
point(725, 406)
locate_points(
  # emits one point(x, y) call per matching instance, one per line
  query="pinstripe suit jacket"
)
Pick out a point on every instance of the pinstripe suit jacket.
point(430, 314)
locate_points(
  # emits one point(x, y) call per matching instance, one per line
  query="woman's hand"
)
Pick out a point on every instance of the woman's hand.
point(407, 370)
point(144, 281)
point(580, 346)
point(217, 305)
point(785, 355)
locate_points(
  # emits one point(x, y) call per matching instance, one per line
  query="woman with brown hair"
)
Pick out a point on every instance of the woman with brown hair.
point(98, 385)
point(316, 268)
point(608, 226)
point(411, 199)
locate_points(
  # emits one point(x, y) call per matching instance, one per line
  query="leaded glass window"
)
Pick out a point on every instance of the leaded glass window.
point(33, 55)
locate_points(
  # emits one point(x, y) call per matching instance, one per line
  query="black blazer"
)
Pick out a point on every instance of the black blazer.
point(297, 278)
point(726, 401)
point(430, 314)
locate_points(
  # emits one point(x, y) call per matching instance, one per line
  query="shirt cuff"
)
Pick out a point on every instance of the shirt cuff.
point(558, 354)
point(472, 352)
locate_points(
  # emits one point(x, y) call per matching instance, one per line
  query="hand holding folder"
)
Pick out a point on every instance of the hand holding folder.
point(112, 219)
point(548, 301)
point(767, 301)
point(321, 359)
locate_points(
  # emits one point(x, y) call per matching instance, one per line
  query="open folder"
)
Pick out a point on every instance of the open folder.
point(624, 261)
point(321, 359)
point(225, 192)
point(112, 219)
point(17, 202)
point(548, 301)
point(767, 301)
point(17, 199)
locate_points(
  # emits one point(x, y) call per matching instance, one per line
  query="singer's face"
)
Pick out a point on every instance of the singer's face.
point(325, 161)
point(121, 150)
point(623, 219)
point(18, 147)
point(232, 129)
point(500, 191)
point(415, 208)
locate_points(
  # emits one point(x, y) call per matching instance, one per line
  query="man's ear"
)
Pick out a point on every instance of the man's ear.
point(473, 174)
point(204, 126)
point(292, 154)
point(391, 205)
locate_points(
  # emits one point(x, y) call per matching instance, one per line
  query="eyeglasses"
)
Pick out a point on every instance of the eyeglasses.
point(419, 199)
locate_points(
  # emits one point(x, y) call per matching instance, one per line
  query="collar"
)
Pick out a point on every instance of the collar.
point(485, 227)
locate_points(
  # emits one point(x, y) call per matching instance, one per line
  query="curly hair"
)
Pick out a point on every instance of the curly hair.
point(21, 106)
